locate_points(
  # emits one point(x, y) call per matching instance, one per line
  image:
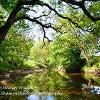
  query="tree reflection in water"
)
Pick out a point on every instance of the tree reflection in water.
point(68, 87)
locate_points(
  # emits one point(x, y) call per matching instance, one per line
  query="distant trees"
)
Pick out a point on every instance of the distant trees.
point(39, 54)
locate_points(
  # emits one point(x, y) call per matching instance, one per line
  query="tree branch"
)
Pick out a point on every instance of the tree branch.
point(88, 14)
point(26, 17)
point(82, 6)
point(10, 21)
point(64, 17)
point(13, 16)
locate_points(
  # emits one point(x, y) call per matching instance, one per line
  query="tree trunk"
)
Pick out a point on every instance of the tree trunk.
point(10, 21)
point(12, 17)
point(2, 33)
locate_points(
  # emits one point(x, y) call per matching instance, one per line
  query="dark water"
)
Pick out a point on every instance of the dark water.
point(49, 85)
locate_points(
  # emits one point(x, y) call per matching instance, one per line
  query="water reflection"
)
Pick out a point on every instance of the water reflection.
point(36, 97)
point(55, 87)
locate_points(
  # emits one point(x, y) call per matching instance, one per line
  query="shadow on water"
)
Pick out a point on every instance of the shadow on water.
point(49, 85)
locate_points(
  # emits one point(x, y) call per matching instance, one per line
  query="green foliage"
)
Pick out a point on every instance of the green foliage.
point(95, 9)
point(3, 15)
point(8, 4)
point(91, 43)
point(65, 52)
point(38, 55)
point(6, 7)
point(88, 42)
point(14, 50)
point(5, 66)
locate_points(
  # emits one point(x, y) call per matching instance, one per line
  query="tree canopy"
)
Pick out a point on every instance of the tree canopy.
point(77, 20)
point(34, 11)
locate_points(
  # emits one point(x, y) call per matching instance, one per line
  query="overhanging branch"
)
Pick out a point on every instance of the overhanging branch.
point(26, 17)
point(82, 6)
point(63, 17)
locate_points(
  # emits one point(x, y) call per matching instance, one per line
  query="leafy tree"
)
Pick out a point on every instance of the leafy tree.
point(14, 50)
point(65, 52)
point(88, 39)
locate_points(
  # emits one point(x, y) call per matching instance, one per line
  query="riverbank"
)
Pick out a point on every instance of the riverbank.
point(7, 77)
point(18, 73)
point(6, 72)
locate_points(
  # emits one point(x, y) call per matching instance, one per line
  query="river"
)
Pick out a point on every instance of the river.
point(50, 85)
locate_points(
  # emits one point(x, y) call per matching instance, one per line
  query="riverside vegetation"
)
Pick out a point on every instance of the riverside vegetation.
point(68, 54)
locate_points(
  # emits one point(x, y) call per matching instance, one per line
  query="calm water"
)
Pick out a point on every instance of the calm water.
point(49, 85)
